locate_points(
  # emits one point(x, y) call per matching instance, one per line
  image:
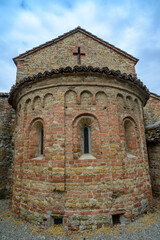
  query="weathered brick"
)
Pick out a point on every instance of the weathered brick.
point(84, 189)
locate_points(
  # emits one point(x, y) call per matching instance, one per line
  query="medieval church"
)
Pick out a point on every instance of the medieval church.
point(85, 133)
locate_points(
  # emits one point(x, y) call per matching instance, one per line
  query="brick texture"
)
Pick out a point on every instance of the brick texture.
point(154, 164)
point(61, 55)
point(152, 110)
point(63, 182)
point(152, 123)
point(84, 189)
point(7, 118)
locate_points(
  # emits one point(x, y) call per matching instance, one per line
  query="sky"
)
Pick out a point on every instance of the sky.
point(131, 25)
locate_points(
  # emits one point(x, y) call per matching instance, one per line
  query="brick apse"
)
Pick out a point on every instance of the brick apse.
point(80, 154)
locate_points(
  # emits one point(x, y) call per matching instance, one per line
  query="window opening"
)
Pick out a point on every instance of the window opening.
point(86, 140)
point(130, 137)
point(58, 221)
point(41, 142)
point(116, 219)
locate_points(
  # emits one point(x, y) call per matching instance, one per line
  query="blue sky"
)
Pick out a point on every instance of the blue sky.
point(132, 25)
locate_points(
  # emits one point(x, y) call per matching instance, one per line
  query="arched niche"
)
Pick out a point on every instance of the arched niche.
point(101, 98)
point(70, 98)
point(120, 101)
point(86, 98)
point(129, 102)
point(48, 101)
point(37, 103)
point(18, 115)
point(136, 106)
point(27, 108)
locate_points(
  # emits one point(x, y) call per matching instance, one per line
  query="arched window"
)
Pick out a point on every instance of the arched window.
point(130, 136)
point(41, 142)
point(86, 137)
point(36, 139)
point(86, 132)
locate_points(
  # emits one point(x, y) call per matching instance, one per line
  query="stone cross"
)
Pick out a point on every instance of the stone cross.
point(79, 54)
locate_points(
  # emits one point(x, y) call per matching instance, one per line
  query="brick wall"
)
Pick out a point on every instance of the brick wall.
point(152, 122)
point(154, 165)
point(152, 110)
point(6, 148)
point(112, 178)
point(84, 189)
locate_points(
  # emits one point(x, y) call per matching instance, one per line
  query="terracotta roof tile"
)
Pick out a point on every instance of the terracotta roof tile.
point(4, 94)
point(76, 69)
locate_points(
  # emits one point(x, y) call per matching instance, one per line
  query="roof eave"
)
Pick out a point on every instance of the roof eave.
point(80, 69)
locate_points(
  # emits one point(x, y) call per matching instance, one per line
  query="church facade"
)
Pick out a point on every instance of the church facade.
point(80, 153)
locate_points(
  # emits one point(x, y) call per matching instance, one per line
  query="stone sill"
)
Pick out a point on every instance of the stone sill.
point(86, 156)
point(129, 155)
point(40, 157)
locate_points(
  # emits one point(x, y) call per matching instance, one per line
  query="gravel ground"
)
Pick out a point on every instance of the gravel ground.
point(145, 228)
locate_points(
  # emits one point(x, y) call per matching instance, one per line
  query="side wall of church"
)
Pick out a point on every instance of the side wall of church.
point(62, 182)
point(152, 118)
point(154, 165)
point(96, 55)
point(7, 117)
point(152, 110)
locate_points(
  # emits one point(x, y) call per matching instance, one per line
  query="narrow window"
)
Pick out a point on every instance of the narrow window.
point(86, 140)
point(58, 221)
point(130, 137)
point(116, 219)
point(55, 221)
point(36, 140)
point(41, 142)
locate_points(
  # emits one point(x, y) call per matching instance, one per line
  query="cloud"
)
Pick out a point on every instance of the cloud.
point(28, 31)
point(149, 73)
point(8, 74)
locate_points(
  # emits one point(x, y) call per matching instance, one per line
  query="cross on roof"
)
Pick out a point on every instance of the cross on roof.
point(79, 54)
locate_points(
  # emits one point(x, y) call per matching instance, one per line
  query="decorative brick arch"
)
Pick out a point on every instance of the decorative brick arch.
point(48, 100)
point(81, 121)
point(70, 98)
point(86, 98)
point(101, 98)
point(129, 102)
point(35, 138)
point(131, 134)
point(36, 103)
point(121, 101)
point(27, 107)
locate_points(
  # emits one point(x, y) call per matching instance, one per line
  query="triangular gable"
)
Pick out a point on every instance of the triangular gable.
point(76, 30)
